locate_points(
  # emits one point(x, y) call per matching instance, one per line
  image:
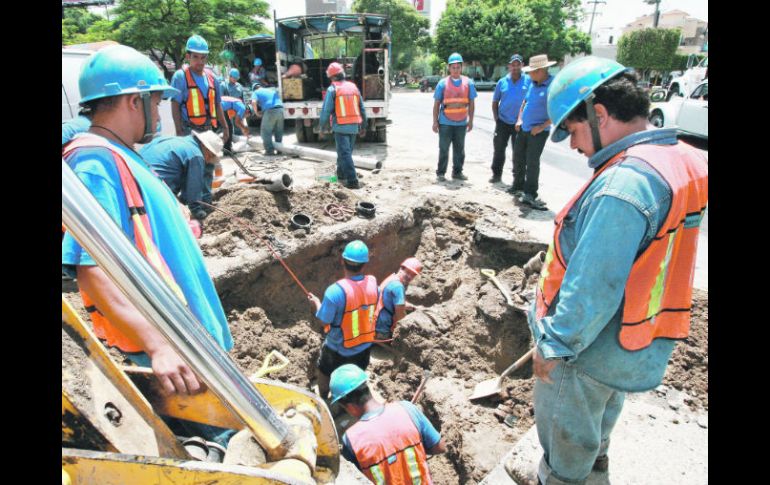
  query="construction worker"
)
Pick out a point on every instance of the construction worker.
point(122, 88)
point(506, 104)
point(232, 87)
point(453, 108)
point(266, 103)
point(390, 442)
point(197, 104)
point(347, 313)
point(533, 126)
point(186, 164)
point(235, 113)
point(616, 285)
point(392, 305)
point(258, 73)
point(343, 108)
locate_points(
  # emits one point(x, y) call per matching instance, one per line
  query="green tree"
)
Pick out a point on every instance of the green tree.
point(489, 31)
point(409, 28)
point(80, 26)
point(649, 50)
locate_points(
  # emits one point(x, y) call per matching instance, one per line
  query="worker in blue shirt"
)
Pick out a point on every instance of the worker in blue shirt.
point(186, 164)
point(121, 118)
point(232, 87)
point(393, 306)
point(533, 126)
point(344, 109)
point(258, 74)
point(266, 104)
point(235, 113)
point(73, 126)
point(453, 108)
point(197, 104)
point(390, 441)
point(347, 312)
point(506, 104)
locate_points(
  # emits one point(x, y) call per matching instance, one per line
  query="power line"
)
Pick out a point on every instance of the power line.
point(594, 14)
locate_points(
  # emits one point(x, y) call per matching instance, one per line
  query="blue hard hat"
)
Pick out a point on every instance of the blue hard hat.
point(356, 252)
point(197, 44)
point(573, 85)
point(455, 58)
point(257, 61)
point(117, 70)
point(234, 73)
point(345, 379)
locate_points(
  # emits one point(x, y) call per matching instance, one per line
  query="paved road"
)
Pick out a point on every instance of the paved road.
point(411, 142)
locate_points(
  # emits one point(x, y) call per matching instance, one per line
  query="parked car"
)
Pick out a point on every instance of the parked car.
point(689, 115)
point(432, 81)
point(483, 84)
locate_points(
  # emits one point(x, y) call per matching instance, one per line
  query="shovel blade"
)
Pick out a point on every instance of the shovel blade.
point(487, 388)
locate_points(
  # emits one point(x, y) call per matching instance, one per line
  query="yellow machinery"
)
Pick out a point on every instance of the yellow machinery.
point(112, 432)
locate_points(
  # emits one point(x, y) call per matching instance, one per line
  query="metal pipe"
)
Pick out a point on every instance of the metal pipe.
point(117, 256)
point(316, 154)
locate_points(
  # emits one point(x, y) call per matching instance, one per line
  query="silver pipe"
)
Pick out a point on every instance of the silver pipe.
point(117, 256)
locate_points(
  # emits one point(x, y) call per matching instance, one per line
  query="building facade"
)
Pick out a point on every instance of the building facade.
point(694, 31)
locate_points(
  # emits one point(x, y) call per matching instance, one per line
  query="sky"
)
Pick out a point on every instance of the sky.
point(614, 13)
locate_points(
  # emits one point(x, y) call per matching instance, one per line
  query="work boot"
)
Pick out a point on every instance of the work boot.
point(353, 185)
point(459, 176)
point(534, 202)
point(495, 179)
point(602, 463)
point(440, 178)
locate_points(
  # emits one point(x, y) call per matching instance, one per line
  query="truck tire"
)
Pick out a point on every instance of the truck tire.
point(310, 137)
point(299, 128)
point(382, 134)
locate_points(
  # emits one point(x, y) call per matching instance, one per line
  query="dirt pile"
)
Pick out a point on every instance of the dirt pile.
point(688, 369)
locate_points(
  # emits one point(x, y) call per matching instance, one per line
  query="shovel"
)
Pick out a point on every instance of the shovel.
point(495, 385)
point(490, 273)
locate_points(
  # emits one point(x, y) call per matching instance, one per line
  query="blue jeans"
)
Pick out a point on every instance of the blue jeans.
point(574, 417)
point(272, 124)
point(454, 135)
point(345, 168)
point(181, 427)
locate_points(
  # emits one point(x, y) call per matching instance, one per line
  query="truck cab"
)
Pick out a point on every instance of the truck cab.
point(689, 80)
point(306, 45)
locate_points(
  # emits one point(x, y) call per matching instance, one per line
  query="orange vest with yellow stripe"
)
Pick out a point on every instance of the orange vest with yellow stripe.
point(456, 99)
point(389, 448)
point(142, 238)
point(198, 108)
point(347, 103)
point(358, 321)
point(658, 291)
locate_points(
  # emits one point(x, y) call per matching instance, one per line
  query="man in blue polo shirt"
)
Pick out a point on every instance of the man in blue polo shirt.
point(453, 108)
point(347, 313)
point(506, 104)
point(533, 126)
point(266, 104)
point(232, 87)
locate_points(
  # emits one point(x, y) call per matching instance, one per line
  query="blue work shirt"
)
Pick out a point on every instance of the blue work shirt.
point(72, 127)
point(179, 81)
point(237, 105)
point(327, 110)
point(428, 434)
point(392, 295)
point(95, 167)
point(232, 89)
point(179, 162)
point(330, 313)
point(536, 107)
point(267, 98)
point(438, 95)
point(605, 230)
point(510, 94)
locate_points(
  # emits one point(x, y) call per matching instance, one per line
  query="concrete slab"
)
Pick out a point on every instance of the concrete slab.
point(652, 443)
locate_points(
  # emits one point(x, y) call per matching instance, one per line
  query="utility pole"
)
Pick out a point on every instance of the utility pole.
point(656, 17)
point(593, 14)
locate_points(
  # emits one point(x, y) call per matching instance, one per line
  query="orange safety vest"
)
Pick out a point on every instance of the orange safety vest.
point(380, 299)
point(347, 104)
point(231, 112)
point(142, 238)
point(456, 99)
point(197, 106)
point(358, 321)
point(658, 291)
point(389, 449)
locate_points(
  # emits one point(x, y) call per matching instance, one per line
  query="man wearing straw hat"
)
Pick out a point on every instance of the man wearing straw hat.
point(533, 127)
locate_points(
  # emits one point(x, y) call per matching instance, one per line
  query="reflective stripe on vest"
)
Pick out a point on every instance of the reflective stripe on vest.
point(456, 99)
point(360, 302)
point(197, 108)
point(658, 292)
point(389, 449)
point(142, 239)
point(347, 103)
point(381, 298)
